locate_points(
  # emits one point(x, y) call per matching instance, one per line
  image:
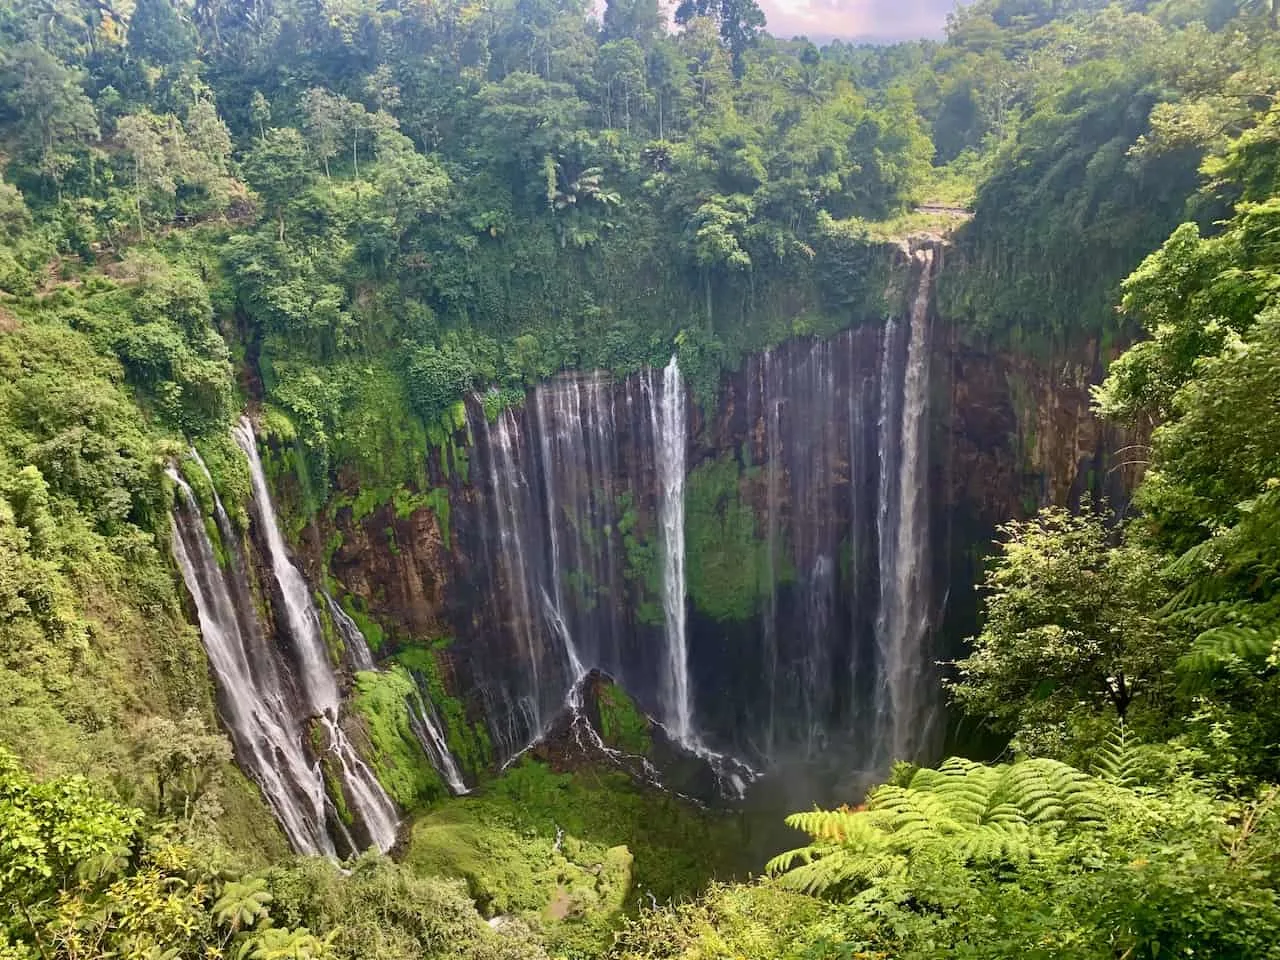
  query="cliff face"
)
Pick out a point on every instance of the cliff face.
point(1014, 432)
point(838, 498)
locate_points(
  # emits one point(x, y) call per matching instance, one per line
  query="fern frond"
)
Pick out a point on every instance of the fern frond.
point(1116, 760)
point(1215, 648)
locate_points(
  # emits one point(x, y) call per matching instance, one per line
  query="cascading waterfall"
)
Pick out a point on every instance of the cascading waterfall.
point(831, 451)
point(253, 701)
point(553, 549)
point(423, 721)
point(583, 501)
point(670, 436)
point(520, 705)
point(903, 622)
point(313, 671)
point(353, 640)
point(427, 728)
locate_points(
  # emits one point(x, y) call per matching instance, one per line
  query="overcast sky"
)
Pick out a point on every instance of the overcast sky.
point(876, 20)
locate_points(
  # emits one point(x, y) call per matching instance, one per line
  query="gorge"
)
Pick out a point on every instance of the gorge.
point(523, 480)
point(766, 574)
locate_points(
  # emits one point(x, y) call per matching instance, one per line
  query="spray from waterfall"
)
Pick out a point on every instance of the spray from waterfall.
point(318, 685)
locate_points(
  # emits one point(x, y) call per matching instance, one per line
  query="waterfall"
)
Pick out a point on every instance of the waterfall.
point(422, 717)
point(821, 443)
point(903, 620)
point(426, 727)
point(352, 637)
point(772, 415)
point(512, 506)
point(253, 702)
point(670, 440)
point(313, 670)
point(555, 563)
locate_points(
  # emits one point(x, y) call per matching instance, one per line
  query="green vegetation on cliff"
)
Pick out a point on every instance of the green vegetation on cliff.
point(727, 557)
point(383, 700)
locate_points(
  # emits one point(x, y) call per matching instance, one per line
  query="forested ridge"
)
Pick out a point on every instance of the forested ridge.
point(348, 215)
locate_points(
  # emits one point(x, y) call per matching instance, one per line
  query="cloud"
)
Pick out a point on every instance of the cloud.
point(872, 20)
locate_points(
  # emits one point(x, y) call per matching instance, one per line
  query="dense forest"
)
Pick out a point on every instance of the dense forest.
point(350, 216)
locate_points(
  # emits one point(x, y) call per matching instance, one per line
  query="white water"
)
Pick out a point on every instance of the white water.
point(426, 727)
point(510, 489)
point(903, 620)
point(561, 630)
point(670, 445)
point(352, 637)
point(318, 684)
point(254, 706)
point(422, 717)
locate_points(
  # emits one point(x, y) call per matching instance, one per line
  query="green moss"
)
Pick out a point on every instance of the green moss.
point(332, 545)
point(468, 742)
point(622, 724)
point(727, 561)
point(496, 401)
point(641, 567)
point(382, 700)
point(404, 503)
point(374, 635)
point(571, 853)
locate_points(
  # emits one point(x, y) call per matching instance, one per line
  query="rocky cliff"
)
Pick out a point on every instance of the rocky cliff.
point(840, 494)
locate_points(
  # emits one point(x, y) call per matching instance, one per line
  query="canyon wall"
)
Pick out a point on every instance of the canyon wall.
point(772, 572)
point(839, 498)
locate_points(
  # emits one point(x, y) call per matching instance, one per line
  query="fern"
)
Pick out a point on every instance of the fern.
point(242, 904)
point(1116, 760)
point(966, 811)
point(1218, 646)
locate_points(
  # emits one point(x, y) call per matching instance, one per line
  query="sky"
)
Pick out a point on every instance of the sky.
point(871, 20)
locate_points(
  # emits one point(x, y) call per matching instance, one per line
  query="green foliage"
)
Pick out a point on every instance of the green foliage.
point(963, 811)
point(96, 656)
point(383, 699)
point(81, 877)
point(467, 738)
point(381, 909)
point(566, 852)
point(437, 200)
point(728, 563)
point(642, 569)
point(1071, 630)
point(1032, 858)
point(734, 920)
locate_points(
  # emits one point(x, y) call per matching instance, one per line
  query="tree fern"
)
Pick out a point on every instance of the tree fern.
point(966, 811)
point(1216, 647)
